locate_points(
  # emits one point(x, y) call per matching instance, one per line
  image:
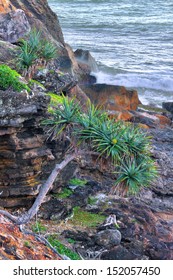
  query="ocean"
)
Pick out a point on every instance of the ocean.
point(131, 40)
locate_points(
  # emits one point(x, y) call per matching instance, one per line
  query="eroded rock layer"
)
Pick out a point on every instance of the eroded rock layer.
point(22, 148)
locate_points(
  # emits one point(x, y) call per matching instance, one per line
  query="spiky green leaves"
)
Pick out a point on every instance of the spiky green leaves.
point(126, 146)
point(35, 50)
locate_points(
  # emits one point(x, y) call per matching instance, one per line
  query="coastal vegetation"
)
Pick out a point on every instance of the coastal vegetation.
point(33, 52)
point(126, 146)
point(11, 79)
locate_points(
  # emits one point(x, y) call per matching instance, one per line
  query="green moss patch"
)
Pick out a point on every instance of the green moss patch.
point(62, 249)
point(86, 219)
point(77, 182)
point(10, 79)
point(64, 193)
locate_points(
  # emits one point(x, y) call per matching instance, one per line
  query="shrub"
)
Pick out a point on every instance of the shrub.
point(125, 146)
point(10, 79)
point(35, 51)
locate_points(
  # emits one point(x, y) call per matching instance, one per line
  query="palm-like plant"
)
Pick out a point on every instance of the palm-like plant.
point(127, 147)
point(34, 51)
point(133, 175)
point(66, 114)
point(48, 51)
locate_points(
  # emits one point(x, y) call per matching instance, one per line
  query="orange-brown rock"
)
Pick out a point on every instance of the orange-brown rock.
point(163, 120)
point(6, 6)
point(143, 126)
point(125, 115)
point(112, 97)
point(16, 245)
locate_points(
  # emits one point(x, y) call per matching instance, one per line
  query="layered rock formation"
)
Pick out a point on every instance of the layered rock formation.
point(22, 148)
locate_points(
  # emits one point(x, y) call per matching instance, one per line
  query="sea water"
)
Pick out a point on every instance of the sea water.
point(131, 40)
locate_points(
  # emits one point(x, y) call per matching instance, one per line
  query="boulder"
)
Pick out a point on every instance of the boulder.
point(13, 25)
point(164, 121)
point(146, 119)
point(108, 238)
point(86, 60)
point(168, 106)
point(112, 97)
point(8, 53)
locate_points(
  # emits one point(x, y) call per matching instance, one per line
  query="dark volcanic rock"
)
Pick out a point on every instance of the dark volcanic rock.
point(108, 238)
point(118, 253)
point(168, 106)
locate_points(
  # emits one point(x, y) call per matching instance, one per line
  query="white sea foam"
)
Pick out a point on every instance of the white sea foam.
point(132, 40)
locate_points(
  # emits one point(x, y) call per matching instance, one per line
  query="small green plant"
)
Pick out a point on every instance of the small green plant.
point(86, 219)
point(66, 192)
point(77, 182)
point(39, 228)
point(10, 79)
point(35, 51)
point(62, 249)
point(27, 244)
point(92, 200)
point(48, 51)
point(133, 175)
point(62, 117)
point(71, 241)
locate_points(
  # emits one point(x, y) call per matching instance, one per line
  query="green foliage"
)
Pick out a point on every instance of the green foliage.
point(63, 116)
point(27, 244)
point(136, 174)
point(127, 147)
point(10, 79)
point(35, 50)
point(92, 200)
point(86, 219)
point(66, 192)
point(38, 227)
point(48, 51)
point(71, 241)
point(62, 249)
point(77, 182)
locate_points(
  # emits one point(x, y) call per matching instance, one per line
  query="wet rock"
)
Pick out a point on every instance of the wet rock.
point(6, 6)
point(108, 238)
point(145, 119)
point(168, 106)
point(85, 58)
point(8, 53)
point(109, 97)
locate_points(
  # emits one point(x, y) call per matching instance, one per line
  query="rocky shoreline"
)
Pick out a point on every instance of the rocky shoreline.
point(139, 227)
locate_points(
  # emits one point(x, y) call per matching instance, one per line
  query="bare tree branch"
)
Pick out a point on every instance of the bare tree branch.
point(26, 217)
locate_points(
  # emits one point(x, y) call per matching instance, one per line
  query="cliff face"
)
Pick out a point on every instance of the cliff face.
point(38, 13)
point(22, 148)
